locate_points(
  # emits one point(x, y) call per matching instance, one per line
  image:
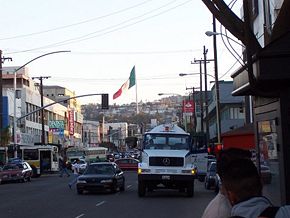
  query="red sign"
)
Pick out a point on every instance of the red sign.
point(71, 123)
point(188, 106)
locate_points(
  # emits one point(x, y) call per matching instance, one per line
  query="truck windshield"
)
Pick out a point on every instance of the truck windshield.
point(166, 141)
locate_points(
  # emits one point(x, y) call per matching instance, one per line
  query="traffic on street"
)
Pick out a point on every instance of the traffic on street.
point(49, 196)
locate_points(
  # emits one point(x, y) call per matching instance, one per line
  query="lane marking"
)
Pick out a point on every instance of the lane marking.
point(99, 204)
point(129, 186)
point(80, 215)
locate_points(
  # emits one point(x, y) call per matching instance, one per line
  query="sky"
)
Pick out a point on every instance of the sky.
point(106, 38)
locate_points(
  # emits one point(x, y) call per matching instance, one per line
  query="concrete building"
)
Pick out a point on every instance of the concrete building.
point(232, 114)
point(29, 128)
point(91, 133)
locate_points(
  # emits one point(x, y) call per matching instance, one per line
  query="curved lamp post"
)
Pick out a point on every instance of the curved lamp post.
point(211, 33)
point(217, 101)
point(15, 77)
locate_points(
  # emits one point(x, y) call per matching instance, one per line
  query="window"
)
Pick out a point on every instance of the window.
point(31, 154)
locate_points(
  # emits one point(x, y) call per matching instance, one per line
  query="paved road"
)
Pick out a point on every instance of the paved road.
point(49, 197)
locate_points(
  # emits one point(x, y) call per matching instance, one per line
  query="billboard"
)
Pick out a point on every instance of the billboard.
point(188, 106)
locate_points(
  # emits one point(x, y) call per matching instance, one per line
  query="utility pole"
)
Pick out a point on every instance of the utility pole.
point(218, 113)
point(200, 92)
point(2, 59)
point(193, 113)
point(40, 78)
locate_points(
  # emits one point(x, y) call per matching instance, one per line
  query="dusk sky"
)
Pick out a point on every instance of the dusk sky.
point(107, 38)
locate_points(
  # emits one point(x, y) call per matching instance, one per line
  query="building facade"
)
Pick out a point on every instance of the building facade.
point(28, 113)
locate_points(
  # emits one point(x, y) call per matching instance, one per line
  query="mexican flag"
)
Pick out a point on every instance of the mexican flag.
point(127, 85)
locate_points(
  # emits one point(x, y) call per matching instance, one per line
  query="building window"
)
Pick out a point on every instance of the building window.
point(236, 114)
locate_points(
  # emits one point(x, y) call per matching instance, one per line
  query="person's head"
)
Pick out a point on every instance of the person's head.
point(228, 155)
point(241, 180)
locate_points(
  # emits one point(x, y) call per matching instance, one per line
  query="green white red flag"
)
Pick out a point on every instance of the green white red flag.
point(127, 85)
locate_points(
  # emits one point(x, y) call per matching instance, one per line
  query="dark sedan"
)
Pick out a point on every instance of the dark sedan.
point(20, 171)
point(101, 176)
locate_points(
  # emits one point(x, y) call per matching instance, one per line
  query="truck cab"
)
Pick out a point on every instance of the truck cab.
point(166, 160)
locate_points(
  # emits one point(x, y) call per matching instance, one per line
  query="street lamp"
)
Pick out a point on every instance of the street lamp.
point(15, 81)
point(217, 101)
point(212, 33)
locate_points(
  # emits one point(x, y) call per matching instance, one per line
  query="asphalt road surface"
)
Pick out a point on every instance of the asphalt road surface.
point(49, 196)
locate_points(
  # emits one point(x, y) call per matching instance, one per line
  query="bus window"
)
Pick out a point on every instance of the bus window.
point(30, 154)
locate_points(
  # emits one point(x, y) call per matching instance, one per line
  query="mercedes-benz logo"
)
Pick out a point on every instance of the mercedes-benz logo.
point(166, 161)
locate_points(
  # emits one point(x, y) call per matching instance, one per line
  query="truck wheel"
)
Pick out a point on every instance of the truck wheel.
point(190, 189)
point(79, 191)
point(141, 189)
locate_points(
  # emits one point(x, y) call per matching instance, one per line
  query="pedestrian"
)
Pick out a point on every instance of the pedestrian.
point(76, 173)
point(243, 186)
point(220, 207)
point(63, 167)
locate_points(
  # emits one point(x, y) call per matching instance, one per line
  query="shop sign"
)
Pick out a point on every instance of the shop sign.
point(71, 122)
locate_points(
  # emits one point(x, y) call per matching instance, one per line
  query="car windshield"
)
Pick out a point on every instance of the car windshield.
point(104, 169)
point(166, 141)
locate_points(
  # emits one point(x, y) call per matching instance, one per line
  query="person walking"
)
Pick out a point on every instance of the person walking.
point(63, 167)
point(76, 173)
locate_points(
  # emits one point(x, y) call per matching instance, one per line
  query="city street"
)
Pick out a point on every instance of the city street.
point(50, 196)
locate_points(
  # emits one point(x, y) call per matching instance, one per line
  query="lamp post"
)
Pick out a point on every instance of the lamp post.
point(217, 101)
point(15, 86)
point(214, 33)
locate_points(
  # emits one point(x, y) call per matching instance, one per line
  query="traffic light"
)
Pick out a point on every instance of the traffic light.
point(105, 101)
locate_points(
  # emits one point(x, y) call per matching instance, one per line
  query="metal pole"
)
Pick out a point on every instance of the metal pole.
point(201, 97)
point(14, 117)
point(205, 94)
point(216, 84)
point(42, 113)
point(42, 109)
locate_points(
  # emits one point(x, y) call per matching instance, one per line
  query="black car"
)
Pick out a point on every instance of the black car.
point(101, 176)
point(210, 178)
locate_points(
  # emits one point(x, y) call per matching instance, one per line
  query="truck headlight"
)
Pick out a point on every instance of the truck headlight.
point(140, 170)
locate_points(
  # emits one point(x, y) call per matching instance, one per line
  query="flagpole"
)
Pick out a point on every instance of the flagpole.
point(137, 109)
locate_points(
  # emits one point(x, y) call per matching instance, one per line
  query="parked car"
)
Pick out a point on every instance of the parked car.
point(20, 171)
point(210, 178)
point(128, 164)
point(101, 176)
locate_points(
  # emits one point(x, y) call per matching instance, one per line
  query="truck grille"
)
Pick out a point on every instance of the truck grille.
point(166, 161)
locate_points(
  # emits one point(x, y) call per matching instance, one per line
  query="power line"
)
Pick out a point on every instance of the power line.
point(87, 36)
point(76, 24)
